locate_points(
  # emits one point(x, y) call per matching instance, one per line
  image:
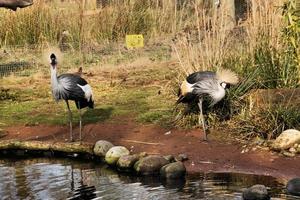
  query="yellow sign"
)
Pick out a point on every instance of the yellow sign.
point(134, 41)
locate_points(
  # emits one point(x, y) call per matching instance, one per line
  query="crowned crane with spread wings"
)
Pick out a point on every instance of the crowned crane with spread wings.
point(206, 83)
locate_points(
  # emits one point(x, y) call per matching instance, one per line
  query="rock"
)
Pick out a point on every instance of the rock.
point(288, 154)
point(114, 153)
point(256, 192)
point(127, 162)
point(293, 186)
point(150, 165)
point(286, 139)
point(292, 150)
point(101, 147)
point(168, 133)
point(170, 158)
point(182, 157)
point(173, 170)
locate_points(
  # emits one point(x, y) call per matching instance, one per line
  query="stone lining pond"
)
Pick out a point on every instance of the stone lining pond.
point(54, 178)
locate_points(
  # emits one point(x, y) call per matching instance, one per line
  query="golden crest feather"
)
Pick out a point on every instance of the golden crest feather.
point(227, 76)
point(48, 51)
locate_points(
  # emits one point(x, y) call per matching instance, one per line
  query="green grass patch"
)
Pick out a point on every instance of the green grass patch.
point(131, 102)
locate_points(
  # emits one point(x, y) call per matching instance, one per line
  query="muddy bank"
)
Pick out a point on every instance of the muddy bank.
point(217, 155)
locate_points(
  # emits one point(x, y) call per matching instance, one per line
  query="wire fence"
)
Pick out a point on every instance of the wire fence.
point(14, 67)
point(27, 60)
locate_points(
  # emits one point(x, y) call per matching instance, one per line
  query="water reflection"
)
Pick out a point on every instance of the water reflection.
point(74, 180)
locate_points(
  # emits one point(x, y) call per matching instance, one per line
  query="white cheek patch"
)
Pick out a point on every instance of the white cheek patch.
point(223, 85)
point(87, 91)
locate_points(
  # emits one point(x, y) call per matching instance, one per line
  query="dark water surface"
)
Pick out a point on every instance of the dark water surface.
point(46, 178)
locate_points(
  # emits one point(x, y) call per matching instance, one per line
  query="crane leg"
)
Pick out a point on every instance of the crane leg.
point(201, 118)
point(80, 123)
point(70, 121)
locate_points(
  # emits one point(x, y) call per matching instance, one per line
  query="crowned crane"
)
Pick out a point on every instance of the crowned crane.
point(206, 83)
point(71, 87)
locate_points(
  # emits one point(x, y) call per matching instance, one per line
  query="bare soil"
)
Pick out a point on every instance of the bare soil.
point(217, 155)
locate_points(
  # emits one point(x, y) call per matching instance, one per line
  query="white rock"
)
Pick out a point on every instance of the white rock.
point(286, 139)
point(114, 153)
point(168, 133)
point(288, 154)
point(101, 147)
point(292, 150)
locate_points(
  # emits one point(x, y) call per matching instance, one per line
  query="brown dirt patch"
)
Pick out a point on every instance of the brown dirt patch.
point(215, 155)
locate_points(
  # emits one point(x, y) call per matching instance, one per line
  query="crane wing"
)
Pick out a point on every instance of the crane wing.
point(200, 76)
point(68, 86)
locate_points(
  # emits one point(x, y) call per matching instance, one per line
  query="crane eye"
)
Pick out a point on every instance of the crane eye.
point(223, 85)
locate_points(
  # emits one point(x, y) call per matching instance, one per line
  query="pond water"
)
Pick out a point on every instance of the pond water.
point(46, 178)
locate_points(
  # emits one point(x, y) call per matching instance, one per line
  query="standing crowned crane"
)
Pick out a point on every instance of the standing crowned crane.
point(71, 87)
point(206, 83)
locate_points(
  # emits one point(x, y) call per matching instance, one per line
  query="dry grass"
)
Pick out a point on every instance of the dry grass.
point(212, 39)
point(44, 22)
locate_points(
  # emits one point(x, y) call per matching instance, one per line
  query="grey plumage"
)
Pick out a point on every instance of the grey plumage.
point(199, 76)
point(70, 87)
point(199, 84)
point(205, 83)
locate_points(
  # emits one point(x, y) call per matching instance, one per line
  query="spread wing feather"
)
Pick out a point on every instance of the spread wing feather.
point(200, 76)
point(68, 88)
